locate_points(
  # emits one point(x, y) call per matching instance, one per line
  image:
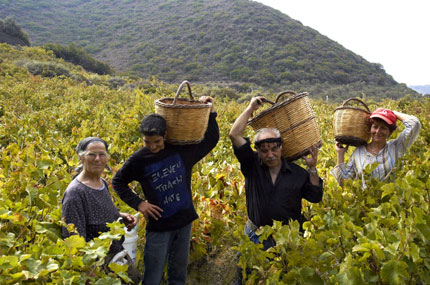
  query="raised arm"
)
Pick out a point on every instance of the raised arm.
point(340, 149)
point(206, 100)
point(401, 116)
point(236, 132)
point(311, 161)
point(195, 152)
point(344, 171)
point(408, 135)
point(211, 137)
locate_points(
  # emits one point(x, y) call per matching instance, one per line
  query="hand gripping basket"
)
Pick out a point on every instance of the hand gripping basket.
point(186, 119)
point(352, 124)
point(295, 119)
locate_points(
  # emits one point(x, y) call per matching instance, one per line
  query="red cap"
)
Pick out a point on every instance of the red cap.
point(385, 114)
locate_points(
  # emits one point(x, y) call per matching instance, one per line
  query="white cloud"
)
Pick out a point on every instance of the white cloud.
point(393, 33)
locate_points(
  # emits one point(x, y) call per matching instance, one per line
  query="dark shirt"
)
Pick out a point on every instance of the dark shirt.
point(89, 210)
point(165, 178)
point(281, 201)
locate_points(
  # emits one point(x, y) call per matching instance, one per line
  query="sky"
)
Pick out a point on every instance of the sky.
point(394, 33)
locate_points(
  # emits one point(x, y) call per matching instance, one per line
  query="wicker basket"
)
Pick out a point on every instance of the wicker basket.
point(352, 124)
point(295, 119)
point(186, 119)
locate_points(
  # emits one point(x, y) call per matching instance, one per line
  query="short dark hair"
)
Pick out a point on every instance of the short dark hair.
point(392, 128)
point(83, 144)
point(153, 125)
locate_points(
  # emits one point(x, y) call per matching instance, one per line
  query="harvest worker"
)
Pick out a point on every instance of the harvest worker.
point(87, 202)
point(164, 172)
point(274, 187)
point(383, 124)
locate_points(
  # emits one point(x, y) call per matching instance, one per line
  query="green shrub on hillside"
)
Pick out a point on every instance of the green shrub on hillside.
point(10, 27)
point(116, 82)
point(79, 56)
point(46, 69)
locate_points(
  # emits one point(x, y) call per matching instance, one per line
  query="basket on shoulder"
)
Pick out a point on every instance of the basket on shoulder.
point(352, 124)
point(295, 119)
point(186, 119)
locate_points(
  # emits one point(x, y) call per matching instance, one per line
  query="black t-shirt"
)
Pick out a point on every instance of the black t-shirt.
point(165, 178)
point(281, 201)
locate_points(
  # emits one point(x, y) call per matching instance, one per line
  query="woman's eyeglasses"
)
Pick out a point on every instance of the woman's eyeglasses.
point(93, 155)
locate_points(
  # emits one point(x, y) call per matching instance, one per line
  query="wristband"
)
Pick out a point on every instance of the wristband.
point(312, 171)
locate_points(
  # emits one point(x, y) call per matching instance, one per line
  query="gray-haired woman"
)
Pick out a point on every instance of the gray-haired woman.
point(87, 202)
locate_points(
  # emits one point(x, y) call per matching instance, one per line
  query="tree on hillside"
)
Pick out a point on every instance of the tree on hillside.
point(10, 27)
point(79, 56)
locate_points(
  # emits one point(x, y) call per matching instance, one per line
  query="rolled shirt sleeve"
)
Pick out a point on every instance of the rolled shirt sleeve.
point(408, 136)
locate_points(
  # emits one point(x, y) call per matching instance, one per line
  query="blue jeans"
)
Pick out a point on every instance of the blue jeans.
point(251, 234)
point(270, 242)
point(172, 246)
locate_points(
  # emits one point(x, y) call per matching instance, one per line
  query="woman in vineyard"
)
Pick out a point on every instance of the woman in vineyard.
point(87, 202)
point(383, 124)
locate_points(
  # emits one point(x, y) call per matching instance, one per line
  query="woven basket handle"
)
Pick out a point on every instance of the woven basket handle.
point(358, 100)
point(179, 91)
point(283, 93)
point(264, 100)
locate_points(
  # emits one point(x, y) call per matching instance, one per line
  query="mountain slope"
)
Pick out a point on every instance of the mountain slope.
point(198, 40)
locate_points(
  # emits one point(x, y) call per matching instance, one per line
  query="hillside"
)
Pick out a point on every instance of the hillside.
point(206, 41)
point(377, 235)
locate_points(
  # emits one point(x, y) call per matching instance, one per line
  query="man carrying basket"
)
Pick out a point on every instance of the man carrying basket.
point(274, 187)
point(164, 172)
